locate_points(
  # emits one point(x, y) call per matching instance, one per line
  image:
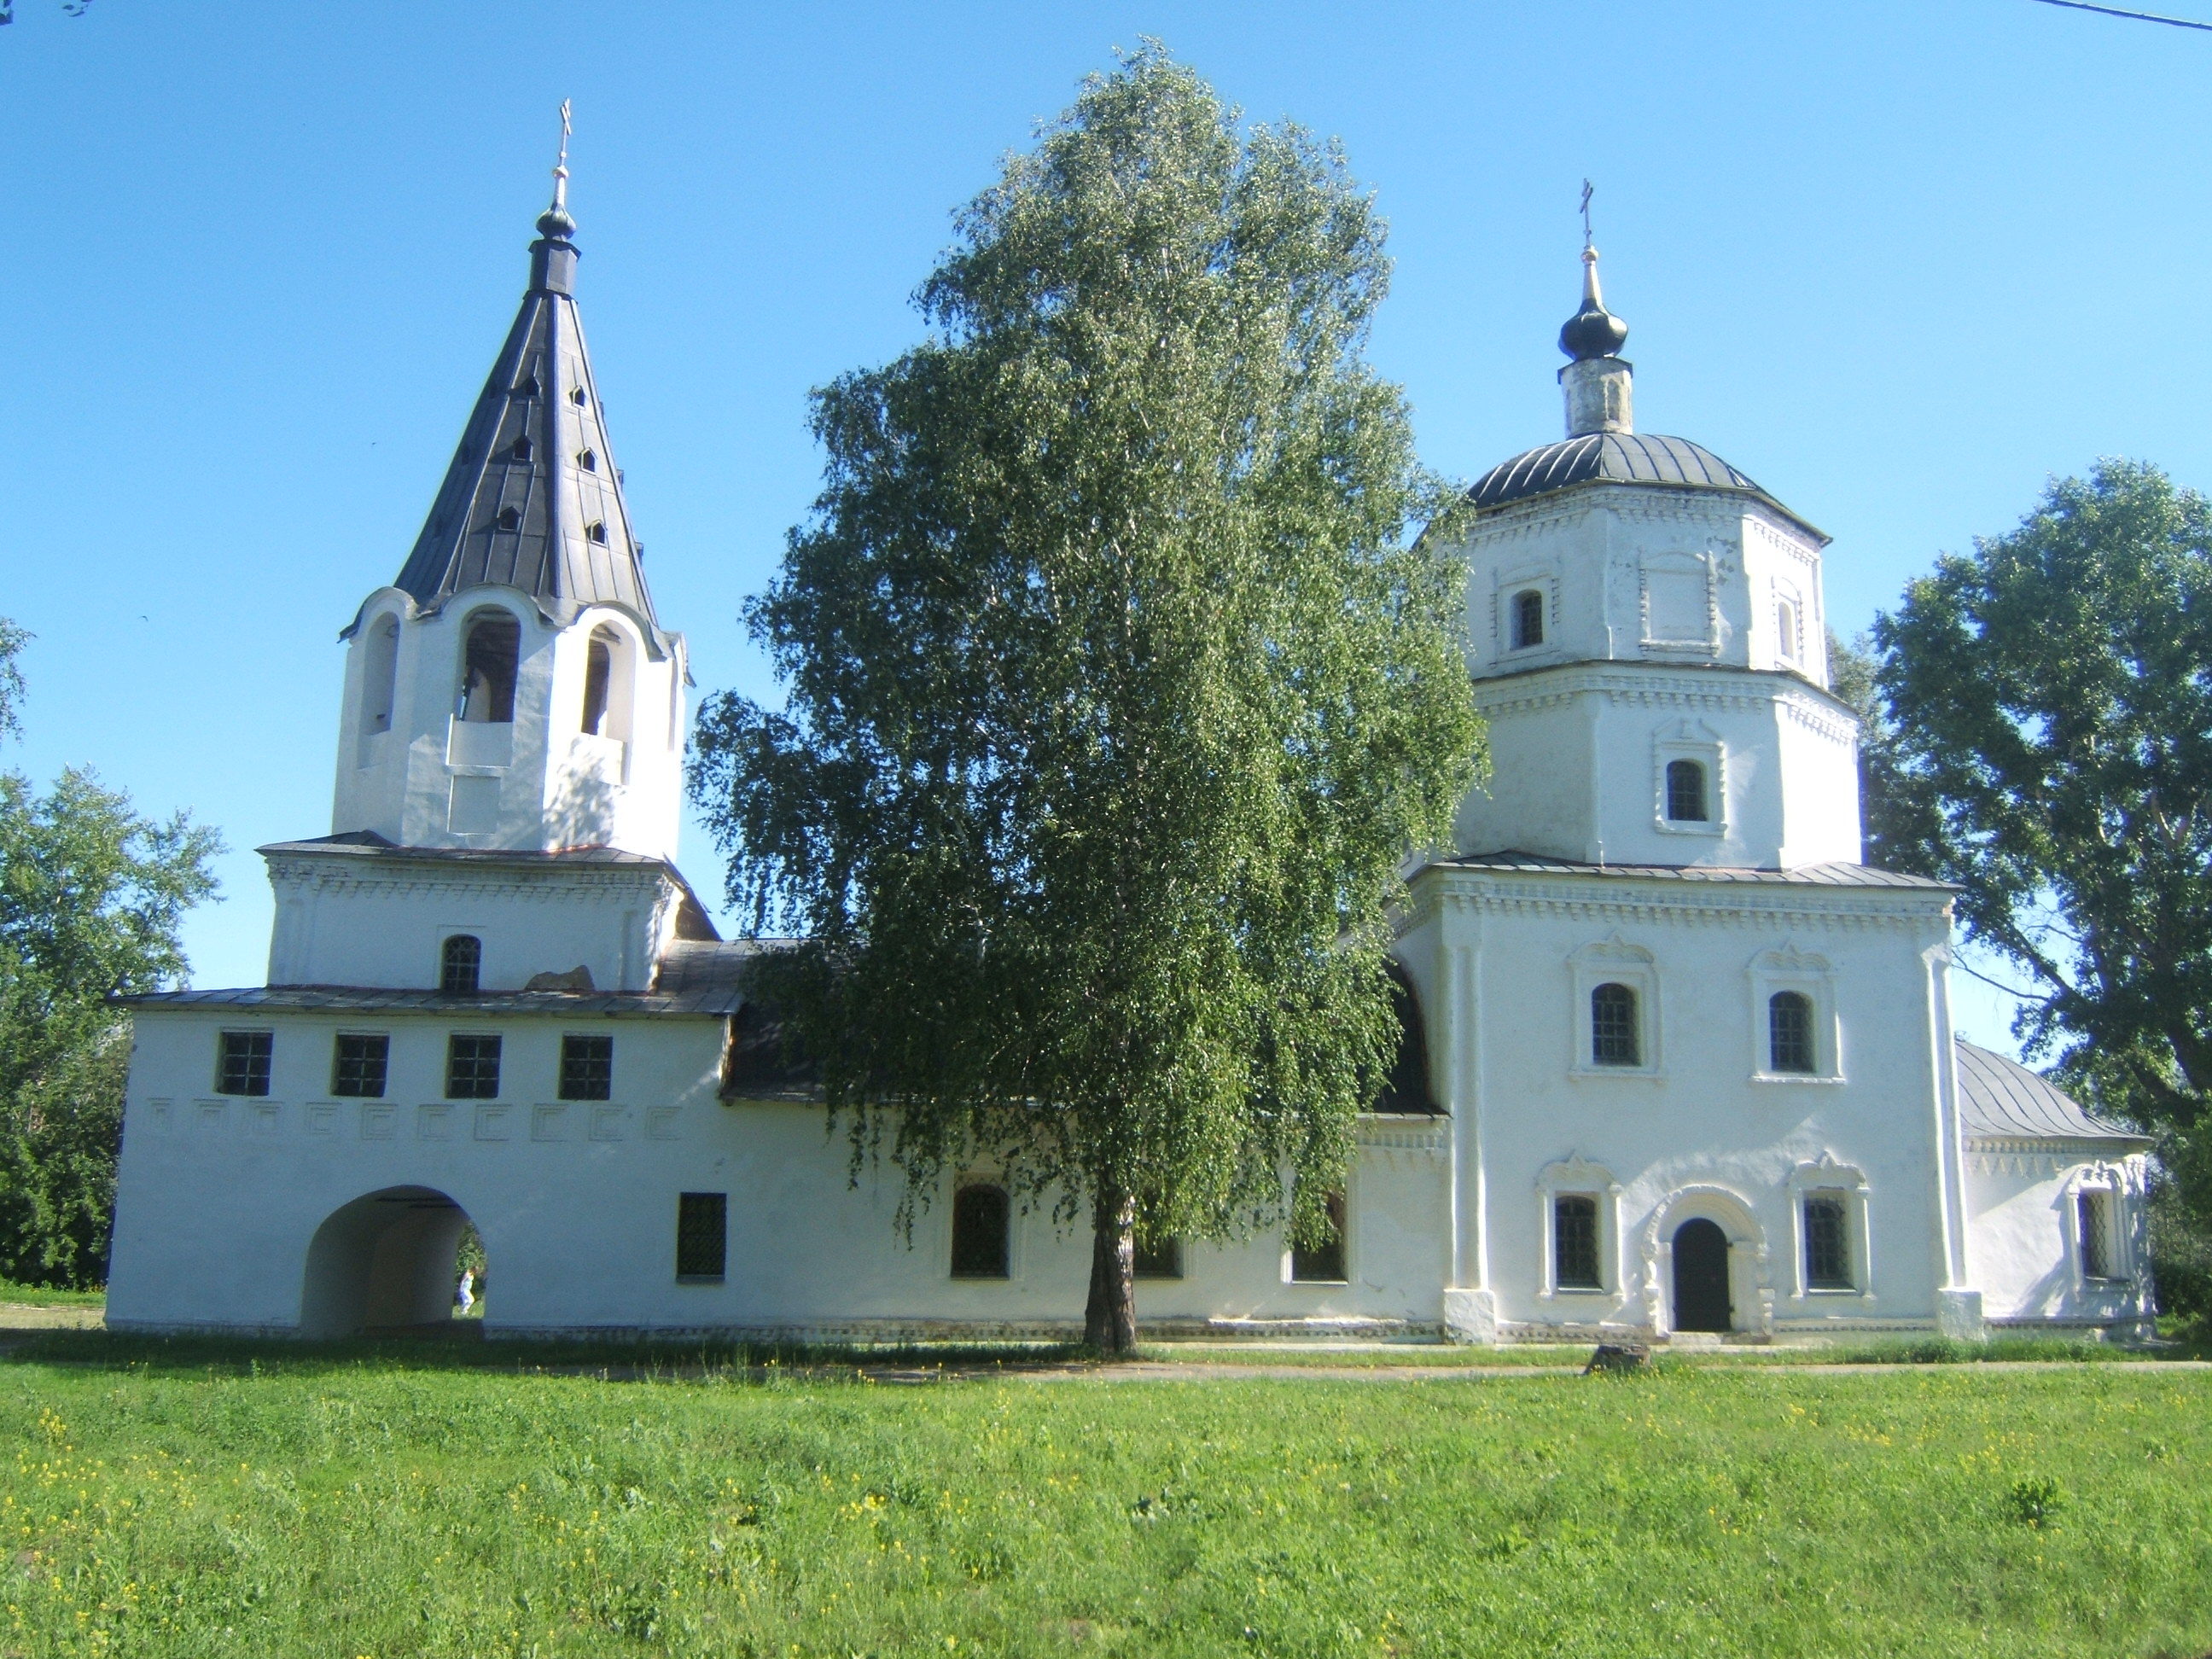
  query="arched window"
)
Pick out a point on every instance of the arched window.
point(1686, 793)
point(981, 1221)
point(1407, 1087)
point(610, 675)
point(1613, 1037)
point(598, 662)
point(460, 965)
point(1785, 628)
point(1528, 619)
point(380, 675)
point(495, 644)
point(1789, 1032)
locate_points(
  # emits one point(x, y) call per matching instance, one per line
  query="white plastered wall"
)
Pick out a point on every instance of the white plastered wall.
point(1696, 1130)
point(219, 1199)
point(556, 786)
point(378, 921)
point(2026, 1248)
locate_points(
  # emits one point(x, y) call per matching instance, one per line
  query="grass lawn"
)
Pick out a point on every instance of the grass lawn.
point(454, 1499)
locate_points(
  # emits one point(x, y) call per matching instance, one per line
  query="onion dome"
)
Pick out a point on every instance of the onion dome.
point(1593, 332)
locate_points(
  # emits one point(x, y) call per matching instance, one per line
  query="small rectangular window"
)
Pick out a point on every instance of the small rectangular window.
point(587, 1067)
point(1157, 1258)
point(1574, 1244)
point(1827, 1243)
point(359, 1063)
point(702, 1236)
point(2094, 1209)
point(471, 1067)
point(242, 1062)
point(1321, 1262)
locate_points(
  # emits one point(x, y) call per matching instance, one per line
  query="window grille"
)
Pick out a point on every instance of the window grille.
point(1528, 620)
point(471, 1067)
point(2095, 1211)
point(1157, 1258)
point(1686, 793)
point(702, 1236)
point(587, 1067)
point(1574, 1244)
point(1789, 1032)
point(358, 1064)
point(1613, 1037)
point(1827, 1243)
point(242, 1062)
point(460, 965)
point(982, 1220)
point(1321, 1262)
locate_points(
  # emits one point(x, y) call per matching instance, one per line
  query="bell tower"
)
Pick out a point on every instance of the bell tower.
point(512, 689)
point(1649, 647)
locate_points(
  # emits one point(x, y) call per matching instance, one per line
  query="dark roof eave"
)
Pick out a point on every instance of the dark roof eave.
point(1759, 496)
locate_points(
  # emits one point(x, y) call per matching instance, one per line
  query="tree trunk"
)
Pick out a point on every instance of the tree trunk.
point(1109, 1318)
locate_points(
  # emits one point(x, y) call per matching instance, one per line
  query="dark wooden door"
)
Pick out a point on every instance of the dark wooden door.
point(1701, 1278)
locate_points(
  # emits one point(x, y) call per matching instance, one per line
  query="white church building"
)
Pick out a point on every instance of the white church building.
point(1677, 1062)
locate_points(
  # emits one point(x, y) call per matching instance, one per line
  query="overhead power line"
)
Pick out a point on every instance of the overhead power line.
point(2138, 16)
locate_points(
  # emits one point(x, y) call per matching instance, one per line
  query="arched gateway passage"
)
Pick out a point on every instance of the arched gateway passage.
point(383, 1262)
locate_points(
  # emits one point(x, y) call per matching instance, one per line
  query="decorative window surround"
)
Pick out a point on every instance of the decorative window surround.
point(1786, 967)
point(1677, 604)
point(1510, 584)
point(1614, 961)
point(1577, 1177)
point(2110, 1181)
point(1691, 740)
point(1849, 1183)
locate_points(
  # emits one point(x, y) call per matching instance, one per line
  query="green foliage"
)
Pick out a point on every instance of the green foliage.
point(1896, 822)
point(295, 1506)
point(2053, 699)
point(1118, 686)
point(91, 896)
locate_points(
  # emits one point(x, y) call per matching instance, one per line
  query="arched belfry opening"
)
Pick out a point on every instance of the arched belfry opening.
point(609, 684)
point(488, 661)
point(386, 1262)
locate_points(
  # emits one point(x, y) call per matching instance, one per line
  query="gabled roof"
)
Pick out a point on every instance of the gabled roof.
point(2001, 1099)
point(532, 498)
point(1621, 458)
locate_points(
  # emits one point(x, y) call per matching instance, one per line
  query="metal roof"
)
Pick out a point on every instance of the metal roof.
point(2001, 1099)
point(367, 844)
point(1807, 875)
point(532, 498)
point(1624, 458)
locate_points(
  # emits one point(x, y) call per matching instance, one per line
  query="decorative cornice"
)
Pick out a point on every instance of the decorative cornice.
point(1608, 899)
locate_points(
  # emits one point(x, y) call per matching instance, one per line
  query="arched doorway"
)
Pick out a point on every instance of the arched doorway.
point(384, 1262)
point(1702, 1298)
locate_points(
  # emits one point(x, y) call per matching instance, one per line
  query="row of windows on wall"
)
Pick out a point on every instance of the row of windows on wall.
point(1616, 1029)
point(360, 1063)
point(1527, 627)
point(490, 660)
point(982, 1239)
point(1577, 1263)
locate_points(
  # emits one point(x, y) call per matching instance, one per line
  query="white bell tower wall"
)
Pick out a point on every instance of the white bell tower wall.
point(589, 752)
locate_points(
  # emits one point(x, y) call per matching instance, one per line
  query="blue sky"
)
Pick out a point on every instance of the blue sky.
point(1899, 262)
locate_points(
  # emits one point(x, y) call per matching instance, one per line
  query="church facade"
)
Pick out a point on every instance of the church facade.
point(1684, 1065)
